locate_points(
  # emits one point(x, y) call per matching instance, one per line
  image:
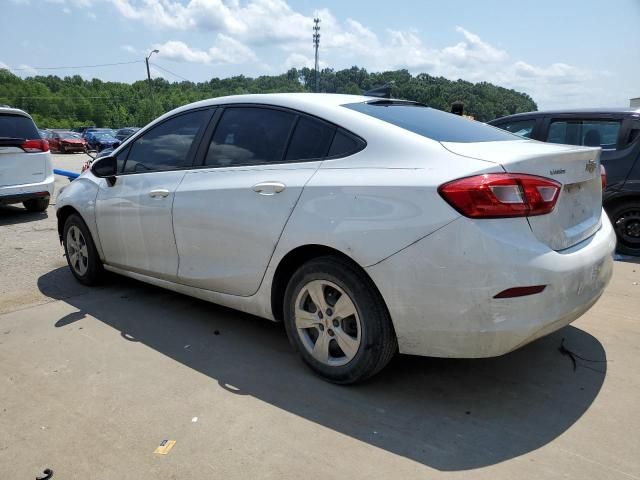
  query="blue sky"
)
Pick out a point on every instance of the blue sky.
point(564, 53)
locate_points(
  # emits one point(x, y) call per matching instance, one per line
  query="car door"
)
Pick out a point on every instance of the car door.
point(133, 215)
point(593, 130)
point(230, 213)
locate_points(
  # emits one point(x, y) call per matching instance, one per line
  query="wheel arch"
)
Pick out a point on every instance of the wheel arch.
point(64, 213)
point(296, 258)
point(619, 198)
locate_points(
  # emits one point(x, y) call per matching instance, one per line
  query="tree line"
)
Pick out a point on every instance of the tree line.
point(69, 102)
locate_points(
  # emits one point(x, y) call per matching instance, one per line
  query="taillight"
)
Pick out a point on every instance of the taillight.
point(501, 195)
point(603, 176)
point(31, 146)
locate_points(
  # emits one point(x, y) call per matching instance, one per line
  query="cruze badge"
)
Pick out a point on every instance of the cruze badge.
point(591, 166)
point(558, 171)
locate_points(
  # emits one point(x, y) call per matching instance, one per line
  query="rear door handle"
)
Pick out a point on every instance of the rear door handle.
point(268, 188)
point(159, 193)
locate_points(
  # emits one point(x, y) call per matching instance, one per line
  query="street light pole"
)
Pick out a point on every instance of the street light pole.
point(153, 101)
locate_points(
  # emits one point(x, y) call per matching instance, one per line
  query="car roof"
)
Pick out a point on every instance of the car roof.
point(574, 111)
point(301, 100)
point(14, 111)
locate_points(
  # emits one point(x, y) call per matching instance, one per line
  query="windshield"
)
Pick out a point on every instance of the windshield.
point(103, 136)
point(431, 123)
point(69, 135)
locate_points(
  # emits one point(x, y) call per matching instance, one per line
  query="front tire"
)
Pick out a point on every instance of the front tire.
point(625, 218)
point(81, 253)
point(337, 321)
point(36, 204)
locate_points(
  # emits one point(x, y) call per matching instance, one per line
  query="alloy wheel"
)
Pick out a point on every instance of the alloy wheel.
point(77, 250)
point(328, 323)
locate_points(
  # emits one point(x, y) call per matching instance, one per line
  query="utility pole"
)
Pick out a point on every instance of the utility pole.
point(153, 100)
point(316, 44)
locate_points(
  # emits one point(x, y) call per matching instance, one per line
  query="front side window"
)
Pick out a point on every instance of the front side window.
point(588, 133)
point(431, 123)
point(167, 146)
point(522, 128)
point(249, 136)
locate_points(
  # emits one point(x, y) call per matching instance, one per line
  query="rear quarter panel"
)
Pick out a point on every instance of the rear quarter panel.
point(369, 212)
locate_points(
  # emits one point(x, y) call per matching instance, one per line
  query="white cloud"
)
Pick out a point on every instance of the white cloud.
point(224, 50)
point(26, 70)
point(298, 60)
point(241, 27)
point(92, 16)
point(128, 48)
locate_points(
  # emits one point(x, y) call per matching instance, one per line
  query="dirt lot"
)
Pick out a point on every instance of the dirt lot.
point(92, 380)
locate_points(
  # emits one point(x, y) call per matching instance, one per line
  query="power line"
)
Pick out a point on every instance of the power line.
point(76, 66)
point(170, 72)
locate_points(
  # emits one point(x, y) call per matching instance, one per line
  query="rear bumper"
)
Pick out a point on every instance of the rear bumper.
point(440, 290)
point(20, 193)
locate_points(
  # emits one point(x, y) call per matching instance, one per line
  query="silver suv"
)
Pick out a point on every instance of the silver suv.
point(26, 172)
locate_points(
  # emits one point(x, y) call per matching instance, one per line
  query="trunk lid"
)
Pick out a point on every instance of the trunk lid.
point(18, 167)
point(577, 213)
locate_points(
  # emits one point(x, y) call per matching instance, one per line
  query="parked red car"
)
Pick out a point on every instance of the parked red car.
point(65, 142)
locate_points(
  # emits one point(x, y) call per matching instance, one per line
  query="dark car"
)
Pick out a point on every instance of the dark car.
point(90, 135)
point(66, 142)
point(617, 132)
point(125, 133)
point(99, 141)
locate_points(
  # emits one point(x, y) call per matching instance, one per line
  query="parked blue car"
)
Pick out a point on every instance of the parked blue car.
point(99, 141)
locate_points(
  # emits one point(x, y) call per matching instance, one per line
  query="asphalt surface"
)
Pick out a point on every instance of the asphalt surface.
point(92, 380)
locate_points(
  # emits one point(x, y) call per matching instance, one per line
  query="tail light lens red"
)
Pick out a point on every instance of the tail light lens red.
point(501, 195)
point(32, 146)
point(603, 176)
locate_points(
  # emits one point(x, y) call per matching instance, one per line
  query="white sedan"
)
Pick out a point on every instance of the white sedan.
point(368, 226)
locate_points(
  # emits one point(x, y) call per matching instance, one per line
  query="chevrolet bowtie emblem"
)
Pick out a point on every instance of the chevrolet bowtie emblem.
point(591, 166)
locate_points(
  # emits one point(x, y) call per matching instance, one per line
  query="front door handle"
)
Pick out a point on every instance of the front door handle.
point(268, 188)
point(159, 193)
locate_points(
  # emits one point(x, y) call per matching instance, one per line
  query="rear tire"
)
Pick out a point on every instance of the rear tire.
point(81, 253)
point(347, 338)
point(36, 204)
point(625, 218)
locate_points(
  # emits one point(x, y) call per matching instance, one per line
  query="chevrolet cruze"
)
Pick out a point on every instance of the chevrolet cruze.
point(368, 226)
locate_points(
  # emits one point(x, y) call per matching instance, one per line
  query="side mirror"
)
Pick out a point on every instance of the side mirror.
point(105, 167)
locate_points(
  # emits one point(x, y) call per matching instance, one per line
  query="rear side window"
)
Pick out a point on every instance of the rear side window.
point(249, 136)
point(431, 123)
point(522, 128)
point(17, 126)
point(311, 139)
point(345, 144)
point(167, 146)
point(588, 133)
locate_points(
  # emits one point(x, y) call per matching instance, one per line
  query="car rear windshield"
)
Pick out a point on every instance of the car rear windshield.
point(17, 126)
point(431, 123)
